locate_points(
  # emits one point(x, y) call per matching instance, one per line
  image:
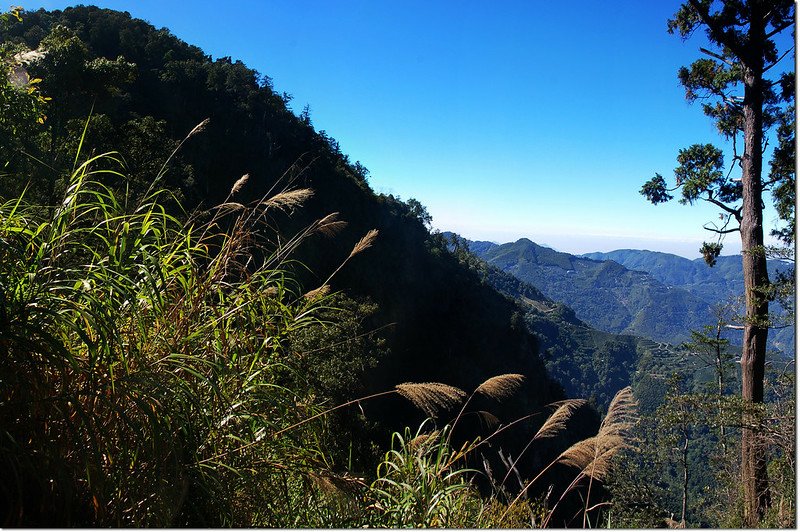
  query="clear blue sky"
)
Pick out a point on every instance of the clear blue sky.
point(507, 119)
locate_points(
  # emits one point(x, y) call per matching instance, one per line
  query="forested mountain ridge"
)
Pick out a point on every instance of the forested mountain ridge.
point(722, 284)
point(603, 293)
point(712, 284)
point(586, 360)
point(650, 294)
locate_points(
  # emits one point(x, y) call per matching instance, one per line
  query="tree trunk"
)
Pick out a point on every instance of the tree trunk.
point(754, 264)
point(685, 464)
point(720, 362)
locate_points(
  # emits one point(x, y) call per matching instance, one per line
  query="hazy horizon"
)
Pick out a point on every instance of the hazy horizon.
point(583, 244)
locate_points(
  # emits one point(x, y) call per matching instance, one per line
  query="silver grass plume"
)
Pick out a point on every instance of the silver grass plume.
point(229, 206)
point(430, 397)
point(322, 291)
point(556, 423)
point(289, 199)
point(364, 243)
point(501, 386)
point(621, 413)
point(593, 455)
point(488, 418)
point(199, 128)
point(420, 440)
point(333, 483)
point(239, 184)
point(330, 225)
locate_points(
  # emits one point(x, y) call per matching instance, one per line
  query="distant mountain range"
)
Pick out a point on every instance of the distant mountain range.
point(724, 280)
point(644, 293)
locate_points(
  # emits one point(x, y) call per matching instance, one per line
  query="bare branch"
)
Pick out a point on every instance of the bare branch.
point(779, 29)
point(720, 231)
point(736, 213)
point(717, 56)
point(778, 60)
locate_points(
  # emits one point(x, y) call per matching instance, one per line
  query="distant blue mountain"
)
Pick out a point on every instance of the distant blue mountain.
point(724, 280)
point(604, 294)
point(718, 284)
point(645, 293)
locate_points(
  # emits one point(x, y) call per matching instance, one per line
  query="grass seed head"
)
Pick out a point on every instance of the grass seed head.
point(489, 419)
point(501, 386)
point(557, 422)
point(330, 225)
point(422, 439)
point(322, 291)
point(593, 455)
point(239, 184)
point(365, 242)
point(430, 397)
point(199, 128)
point(621, 413)
point(288, 200)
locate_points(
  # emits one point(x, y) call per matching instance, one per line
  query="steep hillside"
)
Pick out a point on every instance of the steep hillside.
point(146, 89)
point(605, 294)
point(428, 315)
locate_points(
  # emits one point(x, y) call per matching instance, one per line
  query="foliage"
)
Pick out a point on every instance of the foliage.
point(145, 363)
point(22, 104)
point(417, 485)
point(693, 429)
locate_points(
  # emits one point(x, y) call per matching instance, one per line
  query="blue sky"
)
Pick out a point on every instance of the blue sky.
point(507, 119)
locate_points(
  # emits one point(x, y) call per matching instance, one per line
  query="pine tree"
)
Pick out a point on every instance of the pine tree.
point(733, 82)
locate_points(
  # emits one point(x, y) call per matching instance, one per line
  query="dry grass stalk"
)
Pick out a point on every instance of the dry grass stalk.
point(430, 397)
point(501, 386)
point(239, 184)
point(199, 128)
point(557, 422)
point(330, 225)
point(289, 199)
point(420, 440)
point(318, 292)
point(364, 243)
point(593, 455)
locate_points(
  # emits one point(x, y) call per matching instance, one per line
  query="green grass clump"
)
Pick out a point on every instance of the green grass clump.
point(144, 362)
